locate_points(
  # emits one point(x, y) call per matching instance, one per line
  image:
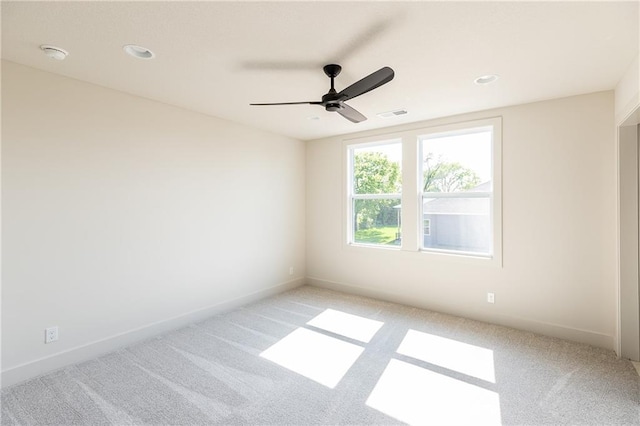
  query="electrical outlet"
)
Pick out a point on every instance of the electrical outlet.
point(491, 298)
point(50, 334)
point(291, 270)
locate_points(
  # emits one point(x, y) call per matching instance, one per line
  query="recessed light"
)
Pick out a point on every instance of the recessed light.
point(54, 52)
point(393, 113)
point(138, 51)
point(485, 79)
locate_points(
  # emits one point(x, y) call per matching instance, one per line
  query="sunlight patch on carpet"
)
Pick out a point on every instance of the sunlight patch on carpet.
point(419, 396)
point(462, 357)
point(348, 325)
point(318, 357)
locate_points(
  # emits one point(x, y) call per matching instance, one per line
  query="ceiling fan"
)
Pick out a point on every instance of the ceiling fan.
point(334, 101)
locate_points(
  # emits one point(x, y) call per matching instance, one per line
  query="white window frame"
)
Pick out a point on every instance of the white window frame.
point(411, 217)
point(352, 197)
point(494, 125)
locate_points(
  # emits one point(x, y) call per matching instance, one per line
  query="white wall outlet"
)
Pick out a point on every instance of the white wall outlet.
point(491, 298)
point(291, 270)
point(50, 334)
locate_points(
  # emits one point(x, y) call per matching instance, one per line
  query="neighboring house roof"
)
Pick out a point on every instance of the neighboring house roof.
point(483, 187)
point(460, 206)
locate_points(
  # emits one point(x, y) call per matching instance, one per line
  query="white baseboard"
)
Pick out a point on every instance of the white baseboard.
point(91, 350)
point(554, 330)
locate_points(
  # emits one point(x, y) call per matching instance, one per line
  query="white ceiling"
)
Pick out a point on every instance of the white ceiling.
point(217, 57)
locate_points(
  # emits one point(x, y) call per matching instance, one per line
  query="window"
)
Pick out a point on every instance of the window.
point(444, 200)
point(375, 199)
point(457, 188)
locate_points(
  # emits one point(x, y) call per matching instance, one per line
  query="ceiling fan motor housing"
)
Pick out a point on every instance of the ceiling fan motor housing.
point(331, 101)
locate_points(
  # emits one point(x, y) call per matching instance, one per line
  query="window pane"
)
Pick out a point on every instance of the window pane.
point(457, 163)
point(377, 222)
point(376, 170)
point(460, 224)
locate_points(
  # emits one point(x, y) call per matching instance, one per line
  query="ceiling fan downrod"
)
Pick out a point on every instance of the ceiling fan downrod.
point(330, 101)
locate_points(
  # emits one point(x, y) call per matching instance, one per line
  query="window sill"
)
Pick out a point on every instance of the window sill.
point(461, 257)
point(428, 256)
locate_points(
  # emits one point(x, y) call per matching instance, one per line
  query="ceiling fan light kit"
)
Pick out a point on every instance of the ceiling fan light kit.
point(334, 101)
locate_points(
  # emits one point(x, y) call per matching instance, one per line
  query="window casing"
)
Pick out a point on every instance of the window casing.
point(457, 190)
point(473, 208)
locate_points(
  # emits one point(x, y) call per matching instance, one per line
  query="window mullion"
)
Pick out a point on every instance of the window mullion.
point(410, 205)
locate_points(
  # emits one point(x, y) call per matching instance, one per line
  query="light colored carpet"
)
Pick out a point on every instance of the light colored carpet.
point(312, 356)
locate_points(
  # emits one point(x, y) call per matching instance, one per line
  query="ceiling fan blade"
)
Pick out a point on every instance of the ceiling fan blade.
point(290, 103)
point(351, 114)
point(370, 82)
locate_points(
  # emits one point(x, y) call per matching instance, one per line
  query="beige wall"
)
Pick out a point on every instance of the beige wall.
point(559, 226)
point(627, 93)
point(120, 213)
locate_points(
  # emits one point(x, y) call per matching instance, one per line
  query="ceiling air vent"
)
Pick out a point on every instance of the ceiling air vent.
point(390, 114)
